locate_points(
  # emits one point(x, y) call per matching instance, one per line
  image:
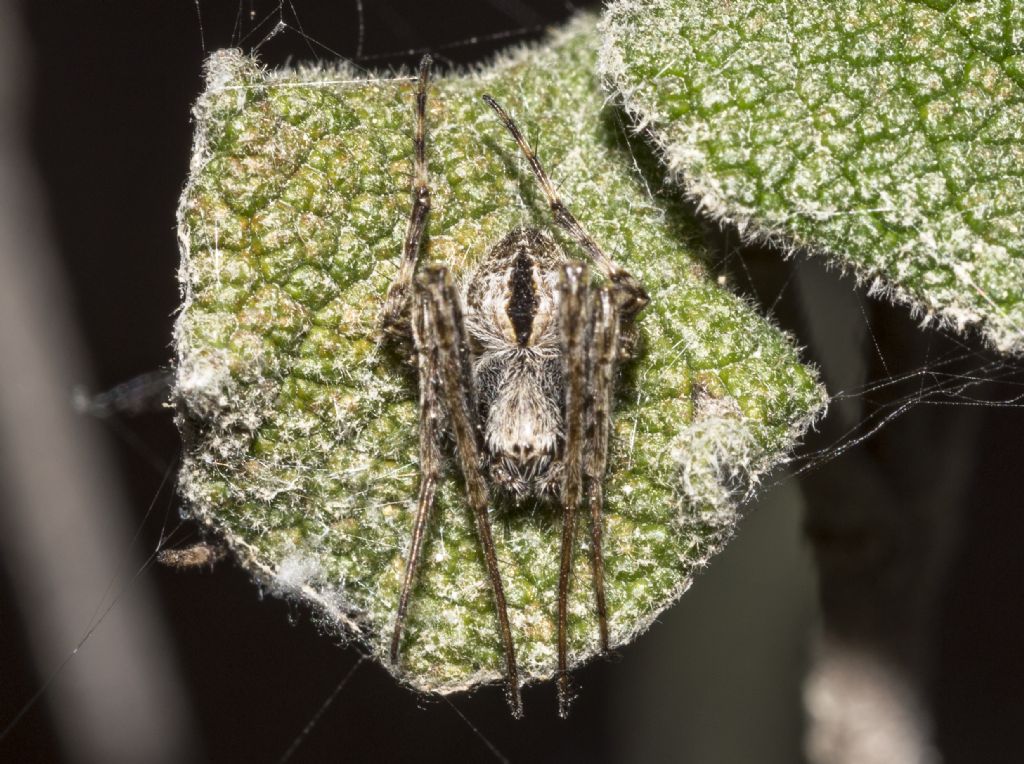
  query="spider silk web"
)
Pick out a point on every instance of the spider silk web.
point(261, 681)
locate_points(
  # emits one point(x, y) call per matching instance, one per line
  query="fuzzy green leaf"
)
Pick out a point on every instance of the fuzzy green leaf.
point(300, 426)
point(887, 133)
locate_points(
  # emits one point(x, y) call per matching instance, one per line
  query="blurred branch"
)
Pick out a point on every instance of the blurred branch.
point(63, 531)
point(882, 522)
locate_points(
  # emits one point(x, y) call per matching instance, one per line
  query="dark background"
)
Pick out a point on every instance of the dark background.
point(112, 85)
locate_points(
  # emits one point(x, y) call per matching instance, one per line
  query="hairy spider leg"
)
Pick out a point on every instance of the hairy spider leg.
point(396, 306)
point(629, 292)
point(589, 327)
point(603, 352)
point(573, 309)
point(444, 329)
point(399, 321)
point(430, 459)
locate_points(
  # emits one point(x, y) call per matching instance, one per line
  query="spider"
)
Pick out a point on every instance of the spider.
point(518, 366)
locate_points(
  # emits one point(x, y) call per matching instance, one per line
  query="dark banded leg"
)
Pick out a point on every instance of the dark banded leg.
point(443, 330)
point(629, 292)
point(430, 462)
point(602, 353)
point(396, 313)
point(572, 318)
point(399, 320)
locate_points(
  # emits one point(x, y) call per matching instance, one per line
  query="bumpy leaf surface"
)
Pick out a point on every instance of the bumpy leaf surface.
point(300, 425)
point(888, 133)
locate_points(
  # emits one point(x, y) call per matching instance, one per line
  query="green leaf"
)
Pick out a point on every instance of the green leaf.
point(300, 427)
point(888, 134)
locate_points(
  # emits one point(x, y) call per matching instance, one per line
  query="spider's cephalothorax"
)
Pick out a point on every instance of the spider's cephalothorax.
point(518, 369)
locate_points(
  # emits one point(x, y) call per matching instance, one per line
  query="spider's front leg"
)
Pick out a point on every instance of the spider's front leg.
point(629, 293)
point(446, 387)
point(396, 316)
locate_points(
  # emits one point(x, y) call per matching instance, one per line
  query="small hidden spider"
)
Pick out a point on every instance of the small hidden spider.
point(519, 366)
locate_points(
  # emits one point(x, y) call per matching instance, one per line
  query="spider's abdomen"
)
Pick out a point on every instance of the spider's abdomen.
point(520, 394)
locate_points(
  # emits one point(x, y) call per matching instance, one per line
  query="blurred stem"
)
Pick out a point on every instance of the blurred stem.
point(881, 520)
point(63, 531)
